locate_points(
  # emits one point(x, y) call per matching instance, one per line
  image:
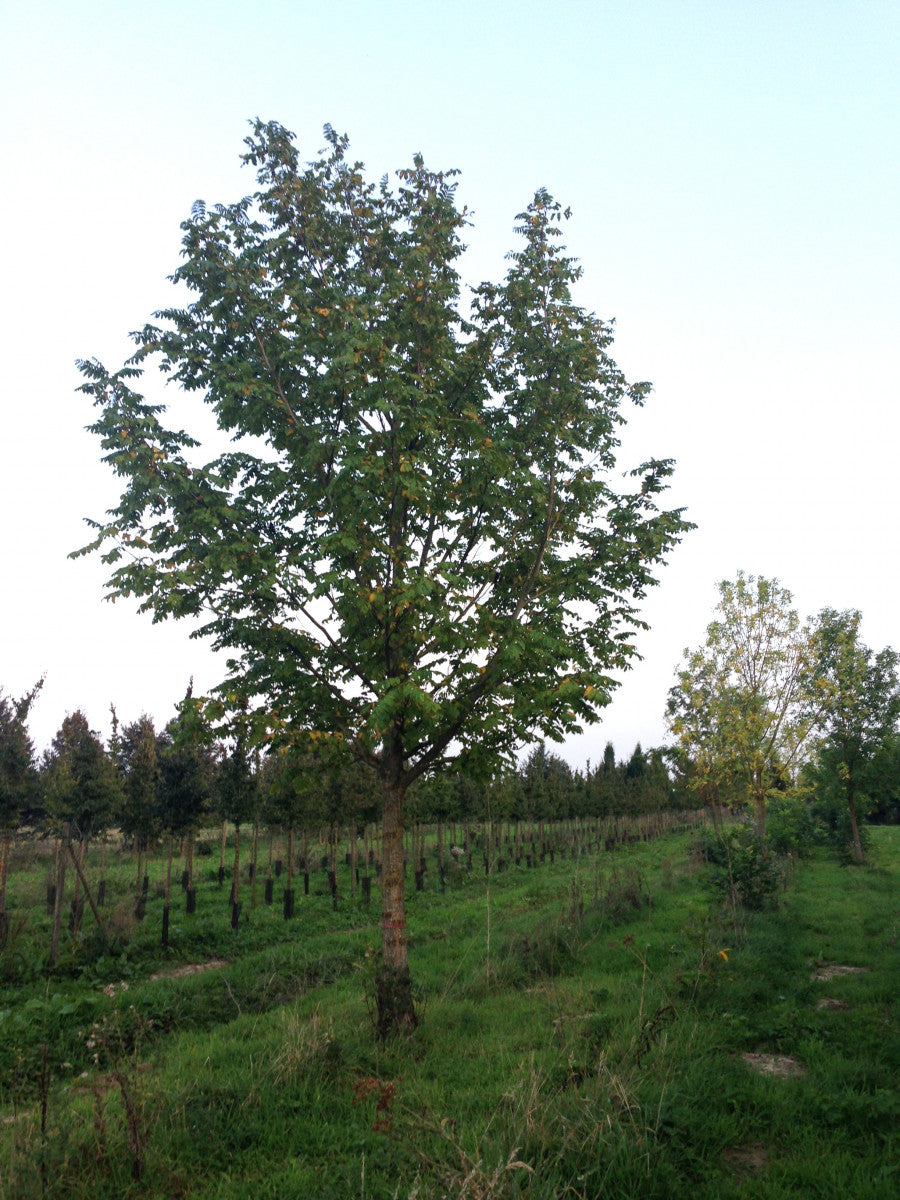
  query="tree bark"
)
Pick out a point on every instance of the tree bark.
point(354, 859)
point(167, 892)
point(254, 853)
point(60, 889)
point(77, 902)
point(79, 869)
point(236, 878)
point(4, 867)
point(760, 797)
point(222, 853)
point(396, 1012)
point(854, 825)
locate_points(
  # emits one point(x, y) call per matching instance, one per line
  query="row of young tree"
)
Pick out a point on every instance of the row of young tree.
point(159, 788)
point(768, 706)
point(772, 706)
point(147, 784)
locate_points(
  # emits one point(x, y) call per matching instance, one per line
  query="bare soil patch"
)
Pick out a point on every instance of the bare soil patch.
point(107, 1082)
point(780, 1066)
point(747, 1160)
point(14, 1118)
point(834, 970)
point(214, 964)
point(828, 1002)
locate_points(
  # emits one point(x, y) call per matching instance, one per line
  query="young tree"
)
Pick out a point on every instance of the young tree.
point(82, 790)
point(416, 544)
point(184, 788)
point(236, 798)
point(137, 748)
point(742, 708)
point(79, 778)
point(859, 714)
point(18, 777)
point(185, 774)
point(547, 782)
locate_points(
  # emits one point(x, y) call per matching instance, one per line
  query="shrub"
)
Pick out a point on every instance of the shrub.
point(550, 948)
point(790, 825)
point(625, 894)
point(832, 818)
point(743, 868)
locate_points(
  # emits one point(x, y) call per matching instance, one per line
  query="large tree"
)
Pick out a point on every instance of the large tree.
point(744, 703)
point(415, 543)
point(858, 716)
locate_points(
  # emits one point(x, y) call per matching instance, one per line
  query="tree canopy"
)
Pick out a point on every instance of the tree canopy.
point(80, 781)
point(18, 775)
point(743, 706)
point(415, 545)
point(860, 710)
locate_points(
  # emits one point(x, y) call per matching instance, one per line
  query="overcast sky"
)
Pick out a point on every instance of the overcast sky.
point(734, 176)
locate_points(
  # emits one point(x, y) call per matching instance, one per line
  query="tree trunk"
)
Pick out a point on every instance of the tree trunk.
point(222, 853)
point(289, 890)
point(760, 797)
point(332, 863)
point(354, 859)
point(254, 853)
point(236, 878)
point(101, 886)
point(191, 894)
point(60, 889)
point(167, 893)
point(4, 868)
point(77, 902)
point(854, 825)
point(84, 883)
point(396, 1013)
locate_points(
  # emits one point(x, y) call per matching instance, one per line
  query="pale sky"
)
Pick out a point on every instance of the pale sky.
point(734, 176)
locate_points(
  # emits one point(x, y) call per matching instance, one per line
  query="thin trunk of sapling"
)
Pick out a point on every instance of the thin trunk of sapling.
point(77, 901)
point(167, 892)
point(332, 863)
point(190, 891)
point(487, 936)
point(236, 879)
point(270, 883)
point(140, 893)
point(79, 870)
point(101, 886)
point(354, 859)
point(254, 851)
point(51, 878)
point(289, 890)
point(854, 825)
point(222, 853)
point(4, 869)
point(60, 890)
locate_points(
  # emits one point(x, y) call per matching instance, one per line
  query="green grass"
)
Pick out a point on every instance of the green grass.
point(595, 1051)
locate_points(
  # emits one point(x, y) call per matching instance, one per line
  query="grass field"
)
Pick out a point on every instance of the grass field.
point(591, 1028)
